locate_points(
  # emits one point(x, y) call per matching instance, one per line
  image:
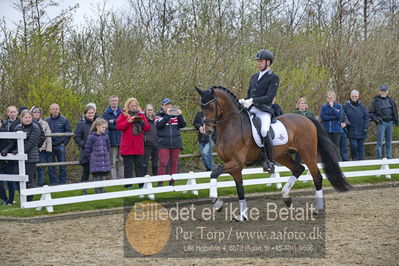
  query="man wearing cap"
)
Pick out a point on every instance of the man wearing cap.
point(168, 122)
point(262, 90)
point(384, 113)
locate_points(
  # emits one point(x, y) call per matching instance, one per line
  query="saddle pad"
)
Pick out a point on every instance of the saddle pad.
point(280, 133)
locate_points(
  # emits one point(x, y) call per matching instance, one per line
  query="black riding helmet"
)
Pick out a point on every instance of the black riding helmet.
point(264, 54)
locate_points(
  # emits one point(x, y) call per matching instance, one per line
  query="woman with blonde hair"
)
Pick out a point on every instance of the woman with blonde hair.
point(332, 117)
point(302, 108)
point(132, 123)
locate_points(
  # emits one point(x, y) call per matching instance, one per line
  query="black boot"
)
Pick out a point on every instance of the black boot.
point(269, 154)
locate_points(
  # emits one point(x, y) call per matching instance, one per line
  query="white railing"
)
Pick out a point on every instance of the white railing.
point(191, 185)
point(21, 157)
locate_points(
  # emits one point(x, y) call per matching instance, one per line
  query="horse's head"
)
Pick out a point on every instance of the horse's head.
point(209, 106)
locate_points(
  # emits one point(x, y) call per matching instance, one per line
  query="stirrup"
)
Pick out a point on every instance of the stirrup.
point(269, 166)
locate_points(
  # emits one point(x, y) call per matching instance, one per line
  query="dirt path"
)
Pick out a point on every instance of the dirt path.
point(362, 227)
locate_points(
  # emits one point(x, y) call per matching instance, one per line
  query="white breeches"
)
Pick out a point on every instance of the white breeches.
point(265, 119)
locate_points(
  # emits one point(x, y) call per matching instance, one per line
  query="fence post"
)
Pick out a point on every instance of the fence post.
point(21, 169)
point(191, 182)
point(148, 185)
point(46, 196)
point(385, 166)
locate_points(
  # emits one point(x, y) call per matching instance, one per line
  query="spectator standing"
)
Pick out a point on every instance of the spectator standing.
point(358, 124)
point(12, 115)
point(169, 121)
point(132, 123)
point(384, 113)
point(58, 124)
point(277, 111)
point(205, 142)
point(111, 115)
point(302, 108)
point(31, 146)
point(46, 148)
point(332, 117)
point(97, 147)
point(151, 141)
point(80, 137)
point(3, 170)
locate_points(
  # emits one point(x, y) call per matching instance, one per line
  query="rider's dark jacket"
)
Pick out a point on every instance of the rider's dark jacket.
point(263, 91)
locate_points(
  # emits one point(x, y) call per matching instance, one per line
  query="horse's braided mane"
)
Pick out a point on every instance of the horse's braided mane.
point(229, 93)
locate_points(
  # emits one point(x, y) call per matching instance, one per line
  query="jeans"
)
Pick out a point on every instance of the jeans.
point(59, 154)
point(206, 154)
point(357, 149)
point(41, 170)
point(151, 151)
point(384, 130)
point(343, 147)
point(116, 162)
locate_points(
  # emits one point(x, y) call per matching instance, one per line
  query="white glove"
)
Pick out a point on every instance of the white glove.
point(247, 103)
point(241, 101)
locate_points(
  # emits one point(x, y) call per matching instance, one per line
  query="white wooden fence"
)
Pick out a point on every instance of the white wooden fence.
point(47, 201)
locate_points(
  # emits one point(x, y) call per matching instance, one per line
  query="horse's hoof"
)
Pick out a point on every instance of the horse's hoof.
point(218, 205)
point(240, 218)
point(288, 201)
point(317, 211)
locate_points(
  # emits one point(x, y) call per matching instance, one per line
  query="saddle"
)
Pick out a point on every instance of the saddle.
point(277, 130)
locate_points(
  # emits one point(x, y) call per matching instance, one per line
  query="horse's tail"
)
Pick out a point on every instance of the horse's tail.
point(329, 157)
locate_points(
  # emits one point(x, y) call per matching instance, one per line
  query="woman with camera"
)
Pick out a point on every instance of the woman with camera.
point(168, 122)
point(132, 123)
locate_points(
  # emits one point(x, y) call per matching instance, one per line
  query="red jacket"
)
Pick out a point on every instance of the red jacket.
point(130, 144)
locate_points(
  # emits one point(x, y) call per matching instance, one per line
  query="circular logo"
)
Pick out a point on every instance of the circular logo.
point(148, 227)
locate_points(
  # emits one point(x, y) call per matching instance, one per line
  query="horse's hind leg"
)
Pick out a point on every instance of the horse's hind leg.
point(296, 169)
point(318, 182)
point(241, 197)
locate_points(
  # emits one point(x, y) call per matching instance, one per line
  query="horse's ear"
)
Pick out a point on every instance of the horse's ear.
point(213, 91)
point(199, 90)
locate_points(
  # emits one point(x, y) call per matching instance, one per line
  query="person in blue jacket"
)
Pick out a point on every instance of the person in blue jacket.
point(358, 124)
point(332, 117)
point(110, 115)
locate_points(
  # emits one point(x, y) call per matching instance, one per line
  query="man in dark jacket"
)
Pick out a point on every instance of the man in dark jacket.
point(384, 113)
point(205, 142)
point(111, 115)
point(357, 126)
point(58, 124)
point(262, 90)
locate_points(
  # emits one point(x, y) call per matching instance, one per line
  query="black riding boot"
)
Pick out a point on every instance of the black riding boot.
point(269, 153)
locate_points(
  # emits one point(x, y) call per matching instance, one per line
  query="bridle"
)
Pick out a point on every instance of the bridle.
point(215, 120)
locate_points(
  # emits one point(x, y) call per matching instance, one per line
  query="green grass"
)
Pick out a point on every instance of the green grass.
point(15, 211)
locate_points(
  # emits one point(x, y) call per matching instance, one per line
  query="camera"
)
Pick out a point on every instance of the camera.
point(132, 113)
point(173, 110)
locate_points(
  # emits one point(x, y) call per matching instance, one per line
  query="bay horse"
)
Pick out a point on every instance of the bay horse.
point(237, 148)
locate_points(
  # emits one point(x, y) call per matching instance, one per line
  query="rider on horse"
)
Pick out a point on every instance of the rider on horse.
point(262, 90)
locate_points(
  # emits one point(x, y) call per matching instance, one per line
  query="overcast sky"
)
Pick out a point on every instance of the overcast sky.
point(86, 9)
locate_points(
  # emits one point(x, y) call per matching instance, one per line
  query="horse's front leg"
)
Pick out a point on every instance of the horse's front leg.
point(213, 190)
point(230, 167)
